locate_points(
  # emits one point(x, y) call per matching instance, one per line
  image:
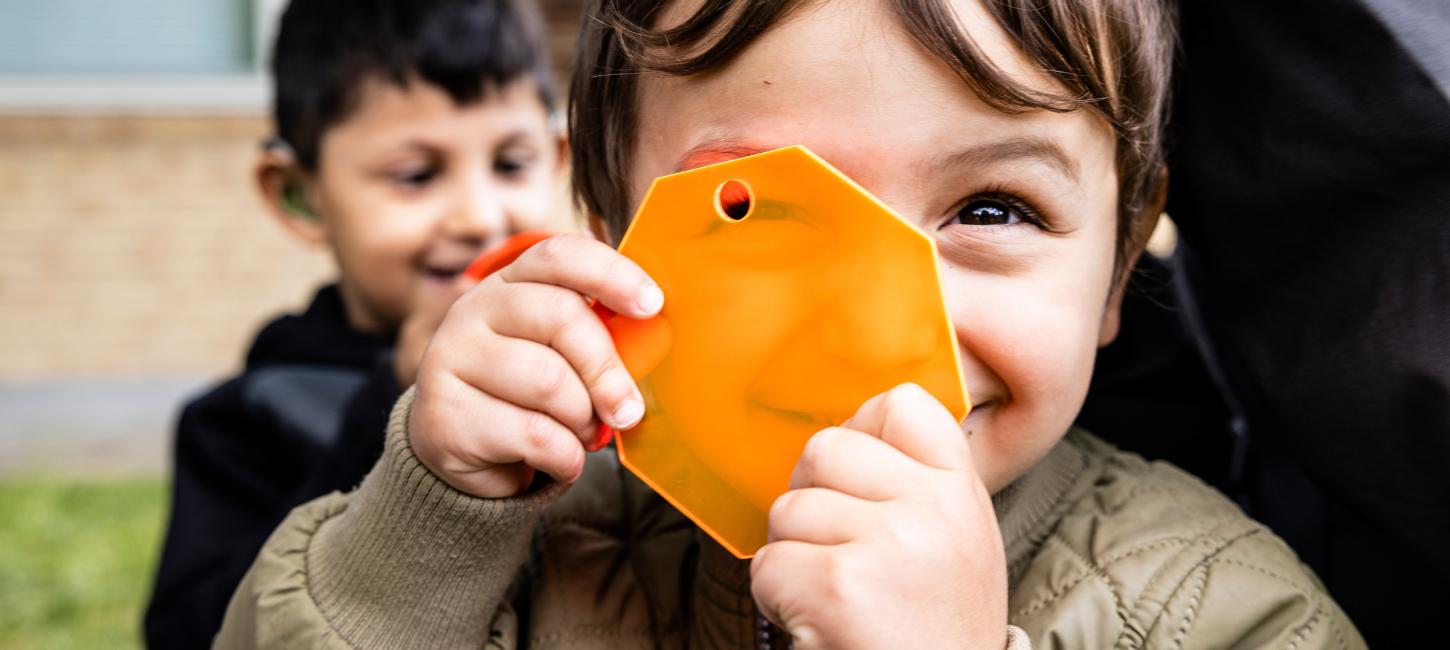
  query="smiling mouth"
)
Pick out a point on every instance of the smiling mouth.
point(442, 273)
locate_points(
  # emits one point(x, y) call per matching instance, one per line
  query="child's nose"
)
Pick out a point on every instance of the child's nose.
point(477, 212)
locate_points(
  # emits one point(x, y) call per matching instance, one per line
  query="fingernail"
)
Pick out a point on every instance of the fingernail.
point(650, 300)
point(628, 414)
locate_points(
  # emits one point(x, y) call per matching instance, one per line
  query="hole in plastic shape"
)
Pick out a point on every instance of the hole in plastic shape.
point(734, 200)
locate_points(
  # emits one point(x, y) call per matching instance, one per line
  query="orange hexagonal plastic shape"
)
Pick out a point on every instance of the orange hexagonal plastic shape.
point(792, 295)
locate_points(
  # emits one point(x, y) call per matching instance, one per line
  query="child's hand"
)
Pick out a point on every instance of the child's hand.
point(420, 325)
point(887, 537)
point(520, 366)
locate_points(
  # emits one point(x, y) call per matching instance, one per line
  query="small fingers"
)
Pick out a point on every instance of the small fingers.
point(539, 379)
point(561, 319)
point(591, 268)
point(913, 421)
point(496, 434)
point(776, 584)
point(821, 516)
point(853, 463)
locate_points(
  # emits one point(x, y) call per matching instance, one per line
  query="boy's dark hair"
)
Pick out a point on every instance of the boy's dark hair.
point(327, 49)
point(1113, 57)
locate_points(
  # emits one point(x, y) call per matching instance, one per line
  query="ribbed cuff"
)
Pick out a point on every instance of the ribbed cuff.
point(413, 562)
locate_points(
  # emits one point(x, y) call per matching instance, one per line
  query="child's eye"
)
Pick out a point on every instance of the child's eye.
point(417, 177)
point(509, 167)
point(995, 211)
point(514, 165)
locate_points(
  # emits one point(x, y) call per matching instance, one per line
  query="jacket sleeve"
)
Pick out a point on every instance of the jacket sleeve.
point(405, 561)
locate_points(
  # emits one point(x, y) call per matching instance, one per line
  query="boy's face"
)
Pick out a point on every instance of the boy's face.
point(1022, 207)
point(411, 187)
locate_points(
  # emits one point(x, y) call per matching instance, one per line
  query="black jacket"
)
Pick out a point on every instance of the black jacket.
point(1310, 166)
point(305, 418)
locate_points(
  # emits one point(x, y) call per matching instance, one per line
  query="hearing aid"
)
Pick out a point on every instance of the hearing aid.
point(295, 202)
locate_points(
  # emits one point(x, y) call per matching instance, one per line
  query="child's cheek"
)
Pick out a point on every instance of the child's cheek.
point(1033, 351)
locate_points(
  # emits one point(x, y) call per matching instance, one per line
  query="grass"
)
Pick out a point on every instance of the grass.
point(76, 560)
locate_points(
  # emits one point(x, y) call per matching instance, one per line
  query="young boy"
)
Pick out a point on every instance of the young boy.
point(1026, 138)
point(411, 135)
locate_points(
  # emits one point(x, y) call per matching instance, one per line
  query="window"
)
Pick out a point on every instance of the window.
point(140, 55)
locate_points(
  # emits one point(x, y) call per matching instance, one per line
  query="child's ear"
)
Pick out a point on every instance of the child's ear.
point(1137, 241)
point(285, 191)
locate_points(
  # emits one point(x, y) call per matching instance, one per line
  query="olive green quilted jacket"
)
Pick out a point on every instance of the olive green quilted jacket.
point(1104, 549)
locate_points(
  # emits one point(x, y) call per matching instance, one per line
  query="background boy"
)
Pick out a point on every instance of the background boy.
point(411, 135)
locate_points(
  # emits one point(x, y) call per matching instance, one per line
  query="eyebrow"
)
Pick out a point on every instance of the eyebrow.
point(426, 143)
point(715, 151)
point(1031, 148)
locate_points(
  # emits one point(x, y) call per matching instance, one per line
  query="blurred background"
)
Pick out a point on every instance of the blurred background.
point(135, 266)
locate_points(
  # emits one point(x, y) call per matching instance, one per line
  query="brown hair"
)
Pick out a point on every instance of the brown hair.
point(1112, 57)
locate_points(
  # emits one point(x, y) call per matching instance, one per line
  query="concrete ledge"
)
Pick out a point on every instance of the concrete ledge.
point(91, 426)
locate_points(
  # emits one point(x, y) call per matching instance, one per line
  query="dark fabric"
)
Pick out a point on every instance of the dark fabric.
point(1310, 167)
point(307, 416)
point(1152, 379)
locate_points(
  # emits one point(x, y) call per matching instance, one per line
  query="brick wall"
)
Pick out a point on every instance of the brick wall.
point(134, 245)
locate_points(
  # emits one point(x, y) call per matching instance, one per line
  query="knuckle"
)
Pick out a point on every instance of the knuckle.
point(491, 292)
point(553, 385)
point(613, 266)
point(814, 445)
point(947, 505)
point(613, 387)
point(557, 305)
point(774, 588)
point(550, 251)
point(758, 565)
point(896, 400)
point(784, 507)
point(902, 535)
point(595, 367)
point(570, 328)
point(908, 533)
point(765, 583)
point(821, 446)
point(836, 579)
point(537, 432)
point(512, 301)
